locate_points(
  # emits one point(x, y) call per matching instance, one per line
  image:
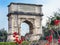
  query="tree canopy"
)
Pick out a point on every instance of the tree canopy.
point(3, 35)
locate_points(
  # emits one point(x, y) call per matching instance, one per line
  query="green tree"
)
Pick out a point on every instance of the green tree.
point(3, 35)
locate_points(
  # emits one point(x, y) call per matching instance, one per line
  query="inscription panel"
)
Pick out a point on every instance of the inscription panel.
point(24, 8)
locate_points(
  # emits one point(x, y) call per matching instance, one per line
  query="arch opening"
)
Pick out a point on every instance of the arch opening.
point(26, 28)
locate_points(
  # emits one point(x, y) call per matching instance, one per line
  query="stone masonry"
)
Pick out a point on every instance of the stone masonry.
point(28, 13)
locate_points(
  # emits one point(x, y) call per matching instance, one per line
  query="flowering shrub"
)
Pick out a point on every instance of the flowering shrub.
point(17, 40)
point(49, 38)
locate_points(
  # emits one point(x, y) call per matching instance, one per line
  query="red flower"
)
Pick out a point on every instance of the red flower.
point(47, 44)
point(56, 22)
point(58, 40)
point(50, 38)
point(15, 33)
point(20, 41)
point(16, 40)
point(16, 36)
point(47, 37)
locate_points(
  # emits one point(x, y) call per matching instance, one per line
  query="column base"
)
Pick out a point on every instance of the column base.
point(35, 37)
point(10, 38)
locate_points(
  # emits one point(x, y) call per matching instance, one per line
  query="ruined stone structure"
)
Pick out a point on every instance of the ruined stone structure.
point(28, 13)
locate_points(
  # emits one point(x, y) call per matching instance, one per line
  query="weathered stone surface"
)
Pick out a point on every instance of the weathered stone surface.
point(28, 13)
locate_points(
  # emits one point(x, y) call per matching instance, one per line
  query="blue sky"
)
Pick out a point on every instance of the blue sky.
point(49, 6)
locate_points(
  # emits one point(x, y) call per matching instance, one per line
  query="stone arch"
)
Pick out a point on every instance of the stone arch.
point(32, 15)
point(30, 26)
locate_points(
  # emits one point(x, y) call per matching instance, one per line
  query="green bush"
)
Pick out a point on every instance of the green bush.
point(7, 43)
point(12, 43)
point(25, 43)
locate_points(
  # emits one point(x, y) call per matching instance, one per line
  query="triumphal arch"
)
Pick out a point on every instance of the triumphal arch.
point(28, 13)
